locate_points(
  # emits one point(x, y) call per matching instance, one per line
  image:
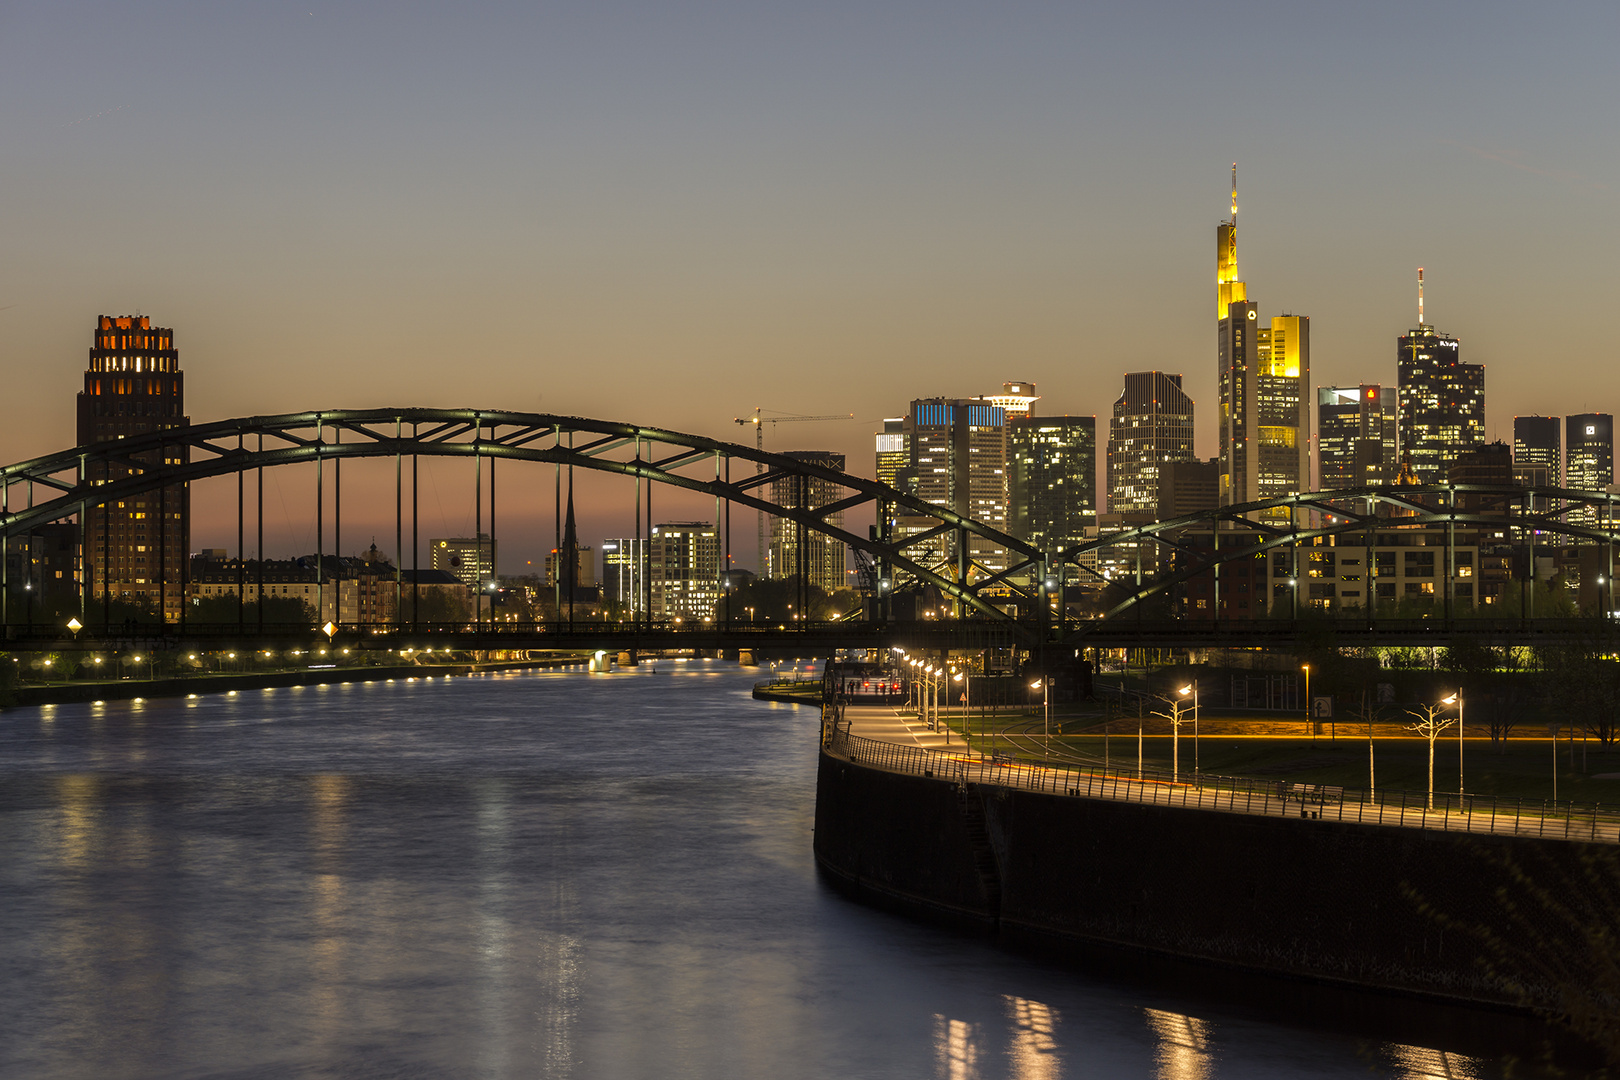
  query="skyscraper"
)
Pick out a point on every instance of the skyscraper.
point(1442, 399)
point(1152, 425)
point(1051, 479)
point(957, 461)
point(824, 558)
point(1537, 451)
point(1015, 399)
point(1588, 458)
point(1264, 377)
point(135, 549)
point(1355, 436)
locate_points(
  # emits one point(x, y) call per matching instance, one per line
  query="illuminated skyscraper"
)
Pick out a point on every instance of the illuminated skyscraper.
point(1051, 479)
point(135, 549)
point(1264, 378)
point(1355, 436)
point(1537, 451)
point(1152, 426)
point(1015, 398)
point(957, 450)
point(823, 558)
point(1442, 399)
point(1588, 457)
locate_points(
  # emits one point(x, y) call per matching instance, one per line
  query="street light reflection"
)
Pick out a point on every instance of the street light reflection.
point(1422, 1063)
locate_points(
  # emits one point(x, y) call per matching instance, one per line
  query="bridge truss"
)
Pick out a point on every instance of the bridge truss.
point(71, 484)
point(1197, 544)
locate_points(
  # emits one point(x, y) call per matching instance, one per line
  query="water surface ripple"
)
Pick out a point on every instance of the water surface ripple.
point(529, 874)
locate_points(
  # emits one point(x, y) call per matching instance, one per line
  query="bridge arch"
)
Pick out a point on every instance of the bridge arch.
point(235, 446)
point(1519, 512)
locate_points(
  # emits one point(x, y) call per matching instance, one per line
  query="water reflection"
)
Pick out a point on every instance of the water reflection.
point(1032, 1054)
point(533, 875)
point(1421, 1063)
point(1183, 1050)
point(956, 1045)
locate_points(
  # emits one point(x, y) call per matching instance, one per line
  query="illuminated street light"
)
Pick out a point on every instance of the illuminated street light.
point(1457, 699)
point(1044, 686)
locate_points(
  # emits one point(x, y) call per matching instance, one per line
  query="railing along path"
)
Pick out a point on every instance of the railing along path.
point(1238, 795)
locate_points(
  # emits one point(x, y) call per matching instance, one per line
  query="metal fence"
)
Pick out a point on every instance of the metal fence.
point(1238, 795)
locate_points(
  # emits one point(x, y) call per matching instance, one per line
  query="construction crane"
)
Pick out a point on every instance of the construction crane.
point(759, 420)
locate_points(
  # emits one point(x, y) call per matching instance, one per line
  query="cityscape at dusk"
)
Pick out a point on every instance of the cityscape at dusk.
point(723, 540)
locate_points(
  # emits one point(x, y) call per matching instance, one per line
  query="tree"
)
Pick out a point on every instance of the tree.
point(1370, 712)
point(1176, 706)
point(1429, 724)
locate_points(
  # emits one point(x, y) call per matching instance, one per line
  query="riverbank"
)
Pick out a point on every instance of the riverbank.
point(186, 685)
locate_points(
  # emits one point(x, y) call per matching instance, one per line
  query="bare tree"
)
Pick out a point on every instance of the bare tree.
point(1370, 711)
point(1430, 724)
point(1177, 708)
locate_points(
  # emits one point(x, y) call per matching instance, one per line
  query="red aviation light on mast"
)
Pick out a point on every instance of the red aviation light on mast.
point(1420, 296)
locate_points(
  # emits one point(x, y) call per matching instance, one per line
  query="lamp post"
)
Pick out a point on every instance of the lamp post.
point(1310, 727)
point(1193, 689)
point(1045, 687)
point(1457, 698)
point(966, 708)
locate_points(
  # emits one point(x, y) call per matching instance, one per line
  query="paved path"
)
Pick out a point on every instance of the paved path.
point(886, 723)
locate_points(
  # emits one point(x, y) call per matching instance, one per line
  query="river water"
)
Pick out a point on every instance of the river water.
point(529, 875)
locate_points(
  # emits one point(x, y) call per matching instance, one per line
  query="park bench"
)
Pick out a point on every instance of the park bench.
point(1319, 794)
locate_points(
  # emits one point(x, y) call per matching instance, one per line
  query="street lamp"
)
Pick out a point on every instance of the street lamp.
point(1457, 698)
point(75, 625)
point(1193, 690)
point(966, 709)
point(1044, 686)
point(1310, 727)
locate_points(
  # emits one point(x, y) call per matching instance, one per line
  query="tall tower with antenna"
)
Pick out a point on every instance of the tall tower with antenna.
point(1228, 289)
point(1264, 378)
point(1442, 399)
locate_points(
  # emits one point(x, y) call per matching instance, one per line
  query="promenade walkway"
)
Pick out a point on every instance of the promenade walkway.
point(881, 737)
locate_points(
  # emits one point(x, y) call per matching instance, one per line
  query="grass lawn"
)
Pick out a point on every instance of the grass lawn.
point(1520, 768)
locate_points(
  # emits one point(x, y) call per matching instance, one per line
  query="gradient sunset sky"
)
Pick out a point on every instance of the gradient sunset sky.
point(670, 214)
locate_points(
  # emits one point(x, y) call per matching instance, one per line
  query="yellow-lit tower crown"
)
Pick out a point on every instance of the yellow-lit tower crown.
point(1228, 289)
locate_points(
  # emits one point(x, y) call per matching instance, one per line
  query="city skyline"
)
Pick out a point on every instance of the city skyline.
point(505, 241)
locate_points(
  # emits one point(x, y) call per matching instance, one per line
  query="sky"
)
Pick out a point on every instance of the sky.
point(671, 214)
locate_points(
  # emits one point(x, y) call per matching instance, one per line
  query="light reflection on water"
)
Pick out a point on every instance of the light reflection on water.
point(552, 874)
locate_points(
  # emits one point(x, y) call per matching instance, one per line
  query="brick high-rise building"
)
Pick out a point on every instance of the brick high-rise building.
point(135, 549)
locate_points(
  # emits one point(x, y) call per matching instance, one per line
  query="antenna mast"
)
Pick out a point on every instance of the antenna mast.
point(1234, 195)
point(1420, 296)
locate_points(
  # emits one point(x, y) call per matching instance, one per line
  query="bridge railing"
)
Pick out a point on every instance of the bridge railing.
point(1447, 812)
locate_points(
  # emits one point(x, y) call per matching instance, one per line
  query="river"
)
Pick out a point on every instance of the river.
point(537, 874)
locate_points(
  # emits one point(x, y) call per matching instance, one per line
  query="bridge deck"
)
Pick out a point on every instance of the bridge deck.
point(879, 737)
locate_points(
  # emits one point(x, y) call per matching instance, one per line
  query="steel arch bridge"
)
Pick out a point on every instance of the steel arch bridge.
point(1516, 515)
point(159, 461)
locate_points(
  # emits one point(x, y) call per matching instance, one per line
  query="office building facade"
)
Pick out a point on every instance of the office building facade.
point(799, 551)
point(1152, 425)
point(624, 574)
point(470, 558)
point(1588, 459)
point(1356, 443)
point(1051, 479)
point(1538, 451)
point(683, 570)
point(1442, 402)
point(135, 549)
point(957, 461)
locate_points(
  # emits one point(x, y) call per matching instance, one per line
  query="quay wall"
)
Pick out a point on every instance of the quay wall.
point(1323, 900)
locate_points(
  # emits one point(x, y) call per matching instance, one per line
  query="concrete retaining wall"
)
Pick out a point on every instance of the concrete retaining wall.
point(1322, 900)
